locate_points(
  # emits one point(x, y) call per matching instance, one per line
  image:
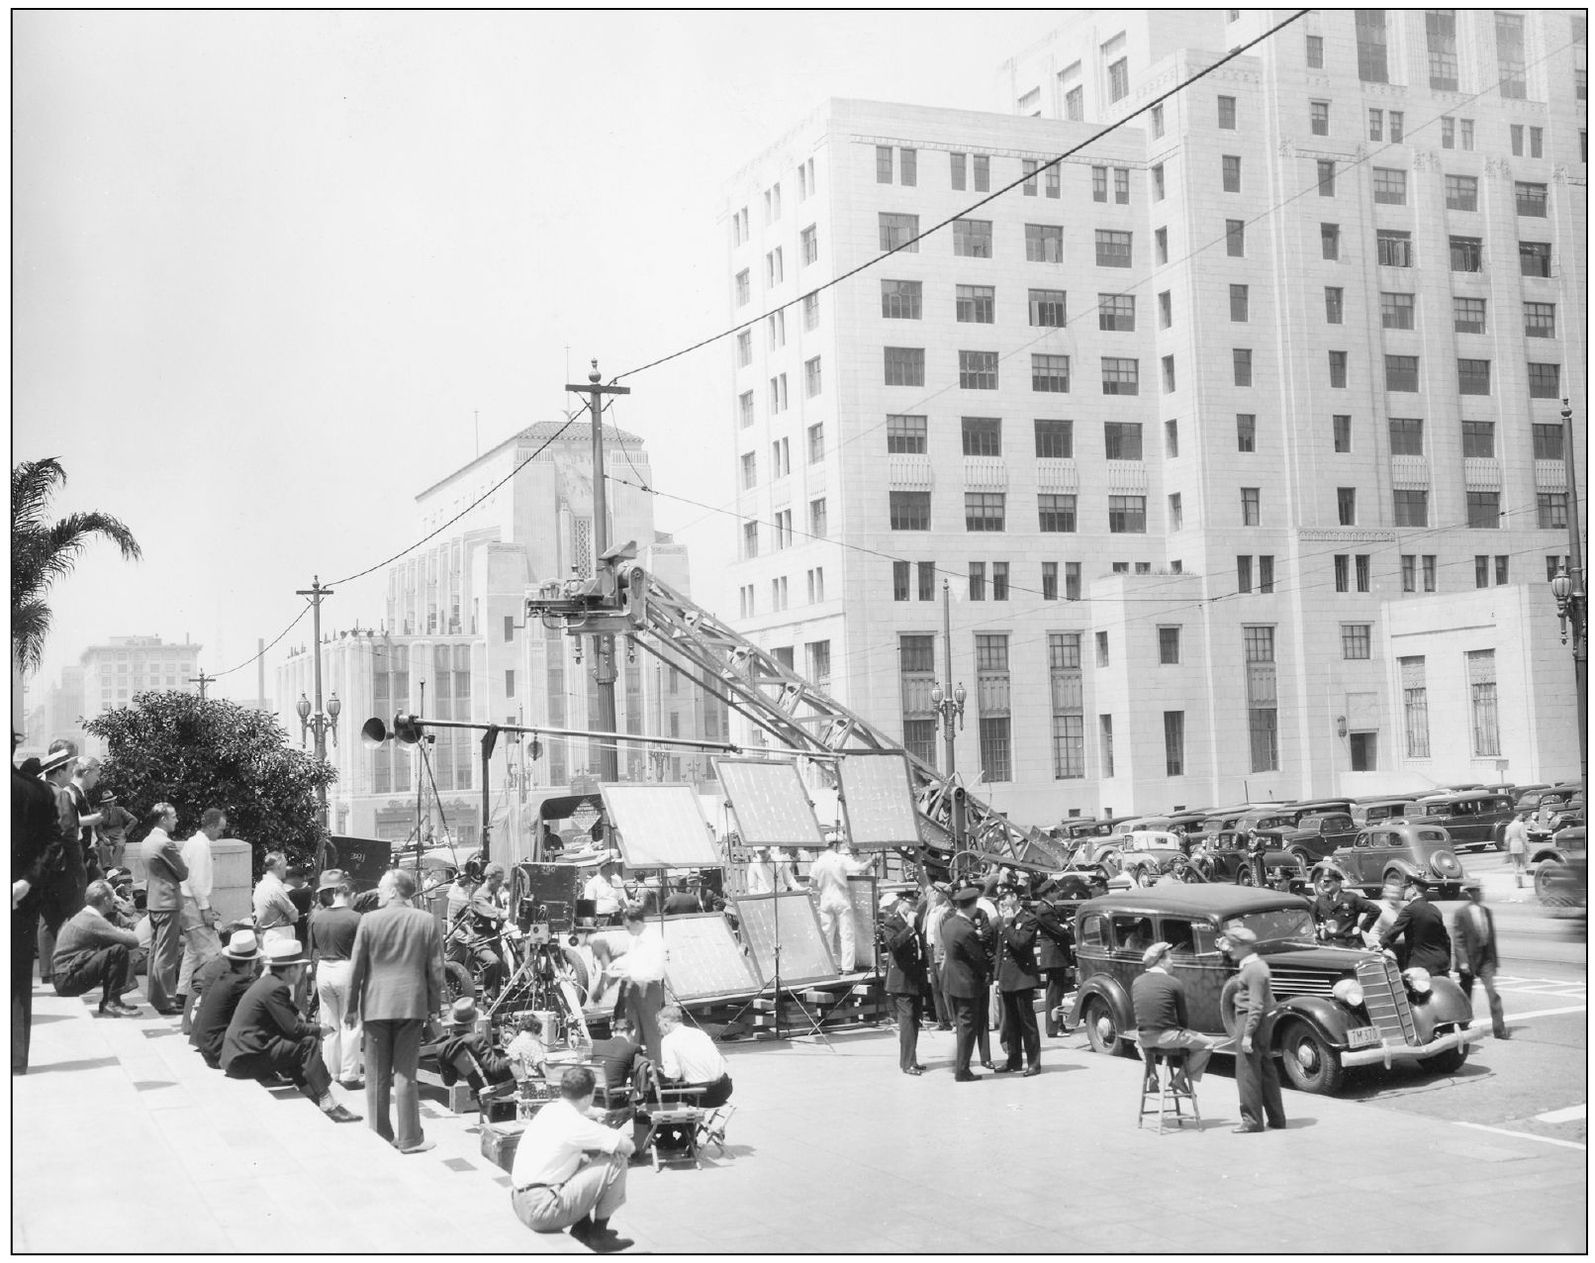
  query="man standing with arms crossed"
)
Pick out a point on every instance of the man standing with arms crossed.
point(166, 871)
point(396, 982)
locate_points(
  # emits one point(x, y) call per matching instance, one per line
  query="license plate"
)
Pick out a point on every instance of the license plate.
point(1363, 1037)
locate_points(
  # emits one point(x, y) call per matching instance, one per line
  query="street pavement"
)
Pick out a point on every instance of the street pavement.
point(123, 1141)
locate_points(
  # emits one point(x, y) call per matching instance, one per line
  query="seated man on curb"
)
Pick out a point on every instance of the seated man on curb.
point(91, 949)
point(569, 1171)
point(268, 1036)
point(218, 999)
point(1158, 999)
point(688, 1058)
point(464, 1054)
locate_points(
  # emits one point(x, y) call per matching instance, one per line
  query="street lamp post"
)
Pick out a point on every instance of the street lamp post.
point(1572, 603)
point(948, 704)
point(320, 720)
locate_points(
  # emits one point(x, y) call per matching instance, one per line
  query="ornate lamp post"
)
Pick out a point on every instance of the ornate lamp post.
point(948, 704)
point(1572, 602)
point(320, 721)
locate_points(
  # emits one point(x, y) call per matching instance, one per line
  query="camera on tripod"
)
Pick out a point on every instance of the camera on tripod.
point(538, 933)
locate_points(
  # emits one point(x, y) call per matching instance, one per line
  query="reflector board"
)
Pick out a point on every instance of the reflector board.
point(704, 959)
point(790, 921)
point(878, 801)
point(660, 826)
point(770, 802)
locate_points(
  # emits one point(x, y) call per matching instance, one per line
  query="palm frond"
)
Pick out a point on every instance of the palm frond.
point(30, 628)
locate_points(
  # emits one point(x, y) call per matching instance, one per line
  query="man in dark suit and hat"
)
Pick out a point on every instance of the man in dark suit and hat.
point(1474, 937)
point(1053, 942)
point(966, 975)
point(1419, 935)
point(905, 976)
point(1017, 980)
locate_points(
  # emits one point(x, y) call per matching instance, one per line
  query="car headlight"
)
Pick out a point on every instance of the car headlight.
point(1349, 992)
point(1417, 980)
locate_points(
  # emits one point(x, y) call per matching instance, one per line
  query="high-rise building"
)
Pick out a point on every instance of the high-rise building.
point(113, 673)
point(455, 644)
point(1233, 436)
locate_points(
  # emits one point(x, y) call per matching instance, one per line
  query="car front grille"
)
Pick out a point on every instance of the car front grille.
point(1384, 995)
point(1294, 982)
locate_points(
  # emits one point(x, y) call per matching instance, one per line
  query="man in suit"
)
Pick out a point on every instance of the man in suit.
point(163, 863)
point(1256, 1075)
point(1053, 939)
point(966, 974)
point(395, 984)
point(905, 976)
point(63, 888)
point(1424, 944)
point(35, 852)
point(1474, 938)
point(1017, 980)
point(220, 999)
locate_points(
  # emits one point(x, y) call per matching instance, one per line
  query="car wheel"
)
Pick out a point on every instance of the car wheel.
point(1101, 1028)
point(1446, 864)
point(1243, 875)
point(457, 982)
point(1303, 858)
point(1550, 884)
point(1311, 1064)
point(1448, 1062)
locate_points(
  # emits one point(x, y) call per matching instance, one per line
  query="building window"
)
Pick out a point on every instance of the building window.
point(1116, 312)
point(992, 691)
point(1105, 738)
point(1337, 369)
point(1372, 66)
point(1054, 179)
point(1448, 132)
point(1545, 381)
point(1054, 439)
point(1048, 373)
point(977, 370)
point(1318, 117)
point(1121, 186)
point(750, 471)
point(1044, 243)
point(972, 238)
point(1364, 572)
point(1334, 304)
point(1127, 515)
point(1122, 440)
point(1355, 640)
point(984, 510)
point(901, 300)
point(1071, 581)
point(774, 271)
point(1396, 311)
point(1551, 510)
point(1401, 372)
point(1364, 748)
point(778, 394)
point(1467, 315)
point(1409, 572)
point(1068, 717)
point(905, 366)
point(745, 409)
point(1478, 439)
point(1251, 506)
point(816, 442)
point(1389, 186)
point(1048, 308)
point(1241, 365)
point(1530, 200)
point(1174, 742)
point(1176, 512)
point(1168, 646)
point(1261, 698)
point(1056, 512)
point(1481, 571)
point(1168, 374)
point(1484, 510)
point(1411, 508)
point(901, 571)
point(810, 242)
point(910, 510)
point(1118, 80)
point(744, 287)
point(1342, 572)
point(1341, 426)
point(1157, 122)
point(982, 164)
point(1481, 690)
point(982, 436)
point(908, 166)
point(1395, 248)
point(1240, 305)
point(1114, 249)
point(1539, 320)
point(926, 571)
point(1102, 649)
point(1415, 706)
point(899, 232)
point(883, 164)
point(1232, 173)
point(1315, 52)
point(1346, 505)
point(1122, 376)
point(1467, 254)
point(744, 348)
point(811, 376)
point(1376, 124)
point(916, 656)
point(999, 581)
point(775, 322)
point(1326, 177)
point(817, 518)
point(750, 539)
point(1329, 239)
point(1473, 377)
point(975, 304)
point(1157, 182)
point(1440, 27)
point(1548, 441)
point(1243, 573)
point(960, 170)
point(1234, 239)
point(1226, 113)
point(905, 434)
point(811, 312)
point(1171, 439)
point(1245, 432)
point(1511, 70)
point(1534, 258)
point(1265, 572)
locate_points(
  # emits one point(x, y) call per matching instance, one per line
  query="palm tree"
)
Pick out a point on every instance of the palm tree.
point(43, 551)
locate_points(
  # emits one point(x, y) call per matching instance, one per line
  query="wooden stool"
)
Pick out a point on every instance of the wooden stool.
point(1158, 1068)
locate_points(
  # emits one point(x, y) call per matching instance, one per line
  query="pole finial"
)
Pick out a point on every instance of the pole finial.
point(595, 376)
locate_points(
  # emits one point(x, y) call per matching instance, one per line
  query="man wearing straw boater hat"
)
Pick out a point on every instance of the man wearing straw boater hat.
point(219, 999)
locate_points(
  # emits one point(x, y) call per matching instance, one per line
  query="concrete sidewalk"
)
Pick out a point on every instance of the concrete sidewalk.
point(832, 1151)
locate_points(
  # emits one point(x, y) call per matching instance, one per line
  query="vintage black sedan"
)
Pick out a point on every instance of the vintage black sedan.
point(1338, 1008)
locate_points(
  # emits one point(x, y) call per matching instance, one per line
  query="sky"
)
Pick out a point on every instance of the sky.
point(276, 273)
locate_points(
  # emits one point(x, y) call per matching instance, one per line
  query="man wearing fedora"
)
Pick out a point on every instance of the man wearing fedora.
point(219, 997)
point(92, 950)
point(333, 925)
point(470, 1056)
point(905, 976)
point(1256, 1075)
point(966, 975)
point(395, 985)
point(35, 850)
point(64, 886)
point(1158, 1000)
point(166, 871)
point(268, 1036)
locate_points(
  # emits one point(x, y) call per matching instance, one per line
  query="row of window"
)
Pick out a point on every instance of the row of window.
point(1394, 250)
point(988, 510)
point(972, 239)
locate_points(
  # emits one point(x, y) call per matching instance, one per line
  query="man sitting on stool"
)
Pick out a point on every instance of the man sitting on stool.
point(90, 948)
point(558, 1180)
point(267, 1035)
point(1158, 1000)
point(470, 1056)
point(688, 1058)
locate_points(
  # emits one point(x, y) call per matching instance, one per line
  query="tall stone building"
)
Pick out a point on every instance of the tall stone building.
point(1234, 436)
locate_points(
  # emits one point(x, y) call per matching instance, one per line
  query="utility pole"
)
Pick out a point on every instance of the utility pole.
point(315, 592)
point(1572, 593)
point(603, 644)
point(202, 680)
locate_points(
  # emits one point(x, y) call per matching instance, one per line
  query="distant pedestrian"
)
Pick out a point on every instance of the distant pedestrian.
point(1473, 934)
point(395, 984)
point(905, 976)
point(164, 867)
point(201, 943)
point(35, 851)
point(1517, 845)
point(91, 951)
point(275, 913)
point(111, 832)
point(1256, 1075)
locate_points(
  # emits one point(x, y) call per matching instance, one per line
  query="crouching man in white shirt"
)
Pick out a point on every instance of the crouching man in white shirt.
point(570, 1171)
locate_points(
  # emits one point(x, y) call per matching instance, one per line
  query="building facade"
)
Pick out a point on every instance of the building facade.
point(112, 674)
point(454, 644)
point(1191, 426)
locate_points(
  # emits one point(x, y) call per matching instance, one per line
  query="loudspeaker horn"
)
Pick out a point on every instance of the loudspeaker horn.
point(407, 728)
point(373, 732)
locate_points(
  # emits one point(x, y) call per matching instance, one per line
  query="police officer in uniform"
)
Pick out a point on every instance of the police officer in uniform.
point(905, 976)
point(1342, 915)
point(1054, 956)
point(1017, 980)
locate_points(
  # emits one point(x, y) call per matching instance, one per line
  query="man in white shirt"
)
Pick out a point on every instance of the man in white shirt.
point(570, 1171)
point(605, 889)
point(828, 881)
point(201, 943)
point(275, 913)
point(688, 1057)
point(642, 966)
